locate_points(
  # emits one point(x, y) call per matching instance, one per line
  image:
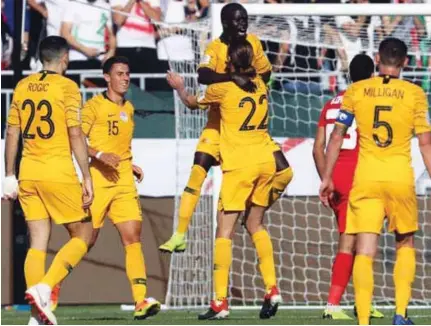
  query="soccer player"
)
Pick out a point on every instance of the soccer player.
point(361, 67)
point(46, 111)
point(108, 122)
point(248, 166)
point(213, 70)
point(388, 112)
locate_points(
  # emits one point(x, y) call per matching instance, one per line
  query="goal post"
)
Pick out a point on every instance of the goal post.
point(296, 38)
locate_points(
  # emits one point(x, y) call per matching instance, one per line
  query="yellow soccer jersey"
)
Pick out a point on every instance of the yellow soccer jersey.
point(244, 138)
point(44, 105)
point(215, 58)
point(109, 128)
point(388, 111)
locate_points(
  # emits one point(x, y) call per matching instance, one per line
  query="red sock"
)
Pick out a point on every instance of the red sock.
point(341, 272)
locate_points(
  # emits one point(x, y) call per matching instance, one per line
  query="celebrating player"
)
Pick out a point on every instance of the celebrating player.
point(244, 122)
point(387, 111)
point(361, 67)
point(45, 109)
point(107, 120)
point(213, 70)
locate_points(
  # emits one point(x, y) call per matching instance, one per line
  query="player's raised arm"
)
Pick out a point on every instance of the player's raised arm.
point(177, 83)
point(423, 127)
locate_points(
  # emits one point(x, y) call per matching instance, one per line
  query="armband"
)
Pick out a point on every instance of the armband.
point(345, 118)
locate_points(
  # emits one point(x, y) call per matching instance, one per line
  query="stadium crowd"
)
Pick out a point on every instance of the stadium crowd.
point(98, 29)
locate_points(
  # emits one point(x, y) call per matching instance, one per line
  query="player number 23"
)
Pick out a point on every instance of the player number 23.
point(378, 123)
point(246, 124)
point(46, 119)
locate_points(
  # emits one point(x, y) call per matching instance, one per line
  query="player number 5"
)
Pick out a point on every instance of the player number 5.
point(381, 123)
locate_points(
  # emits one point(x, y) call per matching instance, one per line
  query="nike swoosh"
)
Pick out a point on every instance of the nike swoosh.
point(111, 115)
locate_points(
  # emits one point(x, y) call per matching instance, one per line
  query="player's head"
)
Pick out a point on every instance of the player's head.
point(116, 72)
point(234, 19)
point(54, 51)
point(361, 67)
point(240, 61)
point(392, 53)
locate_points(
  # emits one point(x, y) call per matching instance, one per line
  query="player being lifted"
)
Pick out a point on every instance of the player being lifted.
point(388, 111)
point(46, 109)
point(213, 70)
point(108, 122)
point(248, 166)
point(361, 67)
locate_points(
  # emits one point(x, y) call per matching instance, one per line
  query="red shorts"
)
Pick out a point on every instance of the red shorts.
point(343, 179)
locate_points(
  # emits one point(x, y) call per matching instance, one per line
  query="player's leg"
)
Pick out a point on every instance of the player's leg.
point(189, 199)
point(222, 261)
point(39, 230)
point(283, 176)
point(260, 200)
point(404, 275)
point(58, 199)
point(403, 219)
point(236, 187)
point(126, 214)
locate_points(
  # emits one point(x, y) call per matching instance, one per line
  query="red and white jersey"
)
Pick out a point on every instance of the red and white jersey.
point(350, 148)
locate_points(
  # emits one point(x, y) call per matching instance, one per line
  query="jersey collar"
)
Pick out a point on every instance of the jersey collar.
point(106, 97)
point(387, 78)
point(47, 72)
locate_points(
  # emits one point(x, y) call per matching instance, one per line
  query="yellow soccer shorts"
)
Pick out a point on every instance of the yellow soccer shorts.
point(254, 183)
point(119, 203)
point(209, 142)
point(371, 202)
point(62, 202)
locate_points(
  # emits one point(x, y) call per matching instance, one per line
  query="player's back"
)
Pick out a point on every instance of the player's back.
point(244, 126)
point(387, 112)
point(45, 104)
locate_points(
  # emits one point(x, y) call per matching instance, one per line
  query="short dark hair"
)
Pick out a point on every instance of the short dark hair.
point(228, 10)
point(107, 66)
point(393, 52)
point(52, 48)
point(361, 67)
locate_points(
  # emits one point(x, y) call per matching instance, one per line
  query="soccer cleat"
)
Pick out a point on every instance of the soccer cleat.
point(148, 307)
point(176, 243)
point(335, 313)
point(217, 310)
point(374, 313)
point(55, 294)
point(400, 320)
point(39, 297)
point(270, 304)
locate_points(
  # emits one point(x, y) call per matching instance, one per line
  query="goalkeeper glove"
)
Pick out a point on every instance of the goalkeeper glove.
point(10, 187)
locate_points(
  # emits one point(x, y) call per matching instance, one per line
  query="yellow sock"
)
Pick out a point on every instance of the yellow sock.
point(363, 282)
point(66, 259)
point(190, 197)
point(34, 266)
point(222, 262)
point(135, 269)
point(263, 245)
point(281, 180)
point(404, 275)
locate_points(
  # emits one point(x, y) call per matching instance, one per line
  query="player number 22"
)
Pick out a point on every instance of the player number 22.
point(44, 118)
point(245, 125)
point(381, 123)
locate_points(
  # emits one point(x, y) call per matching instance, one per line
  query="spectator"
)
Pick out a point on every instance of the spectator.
point(84, 25)
point(195, 10)
point(52, 11)
point(6, 41)
point(137, 36)
point(174, 45)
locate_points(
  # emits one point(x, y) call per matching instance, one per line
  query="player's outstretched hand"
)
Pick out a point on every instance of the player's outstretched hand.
point(138, 173)
point(175, 80)
point(326, 191)
point(10, 187)
point(110, 159)
point(87, 193)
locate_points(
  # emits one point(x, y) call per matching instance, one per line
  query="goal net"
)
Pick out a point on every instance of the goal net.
point(310, 55)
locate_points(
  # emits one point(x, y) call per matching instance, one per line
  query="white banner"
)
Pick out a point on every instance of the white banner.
point(158, 159)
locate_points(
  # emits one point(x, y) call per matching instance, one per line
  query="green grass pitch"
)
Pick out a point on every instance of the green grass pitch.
point(94, 315)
